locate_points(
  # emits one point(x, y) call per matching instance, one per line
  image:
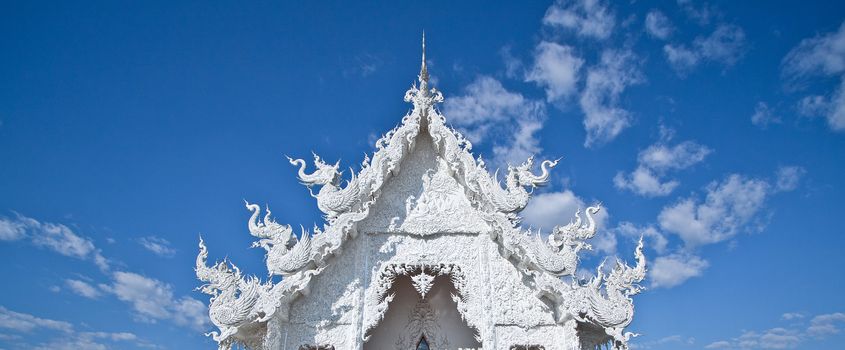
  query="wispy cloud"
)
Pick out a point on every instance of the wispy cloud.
point(604, 119)
point(672, 339)
point(792, 316)
point(68, 337)
point(701, 14)
point(153, 300)
point(488, 109)
point(550, 209)
point(788, 337)
point(159, 246)
point(788, 177)
point(21, 322)
point(91, 341)
point(672, 270)
point(56, 237)
point(83, 288)
point(556, 69)
point(764, 115)
point(655, 162)
point(586, 18)
point(362, 65)
point(823, 55)
point(657, 25)
point(725, 45)
point(729, 207)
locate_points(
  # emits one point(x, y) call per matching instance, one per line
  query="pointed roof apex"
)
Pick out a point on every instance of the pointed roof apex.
point(423, 69)
point(423, 96)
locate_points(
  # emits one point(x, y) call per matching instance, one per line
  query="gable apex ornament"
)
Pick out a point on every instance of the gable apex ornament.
point(458, 201)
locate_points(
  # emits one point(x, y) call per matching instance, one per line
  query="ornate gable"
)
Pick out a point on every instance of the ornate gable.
point(422, 180)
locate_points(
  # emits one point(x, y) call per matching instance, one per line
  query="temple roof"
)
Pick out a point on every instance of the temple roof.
point(298, 260)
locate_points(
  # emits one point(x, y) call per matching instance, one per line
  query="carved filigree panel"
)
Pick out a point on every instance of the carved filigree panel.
point(423, 199)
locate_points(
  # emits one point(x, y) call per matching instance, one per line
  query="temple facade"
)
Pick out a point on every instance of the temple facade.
point(421, 249)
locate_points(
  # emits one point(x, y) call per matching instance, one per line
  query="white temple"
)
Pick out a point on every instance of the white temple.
point(422, 249)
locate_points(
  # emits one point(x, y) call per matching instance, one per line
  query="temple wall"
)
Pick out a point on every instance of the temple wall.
point(499, 302)
point(330, 313)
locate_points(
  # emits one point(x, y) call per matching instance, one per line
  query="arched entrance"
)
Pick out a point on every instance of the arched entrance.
point(414, 322)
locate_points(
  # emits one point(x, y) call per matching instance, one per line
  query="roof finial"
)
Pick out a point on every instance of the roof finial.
point(423, 69)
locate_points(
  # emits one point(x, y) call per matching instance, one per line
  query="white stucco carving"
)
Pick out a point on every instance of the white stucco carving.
point(423, 207)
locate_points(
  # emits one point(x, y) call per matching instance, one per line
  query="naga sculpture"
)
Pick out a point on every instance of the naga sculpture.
point(233, 297)
point(615, 309)
point(560, 255)
point(514, 197)
point(275, 238)
point(331, 199)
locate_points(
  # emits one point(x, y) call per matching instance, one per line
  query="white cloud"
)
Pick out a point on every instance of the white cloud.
point(83, 288)
point(89, 341)
point(700, 14)
point(488, 109)
point(657, 25)
point(486, 101)
point(655, 239)
point(11, 230)
point(153, 300)
point(56, 237)
point(813, 105)
point(775, 338)
point(823, 55)
point(681, 58)
point(587, 18)
point(831, 108)
point(836, 114)
point(788, 177)
point(362, 65)
point(722, 344)
point(672, 270)
point(513, 66)
point(828, 324)
point(523, 145)
point(69, 338)
point(605, 242)
point(556, 69)
point(728, 207)
point(22, 322)
point(653, 164)
point(644, 182)
point(724, 45)
point(792, 316)
point(547, 210)
point(763, 115)
point(661, 157)
point(672, 339)
point(605, 82)
point(820, 55)
point(792, 337)
point(159, 246)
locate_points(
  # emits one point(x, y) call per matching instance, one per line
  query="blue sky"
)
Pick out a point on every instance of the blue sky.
point(714, 129)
